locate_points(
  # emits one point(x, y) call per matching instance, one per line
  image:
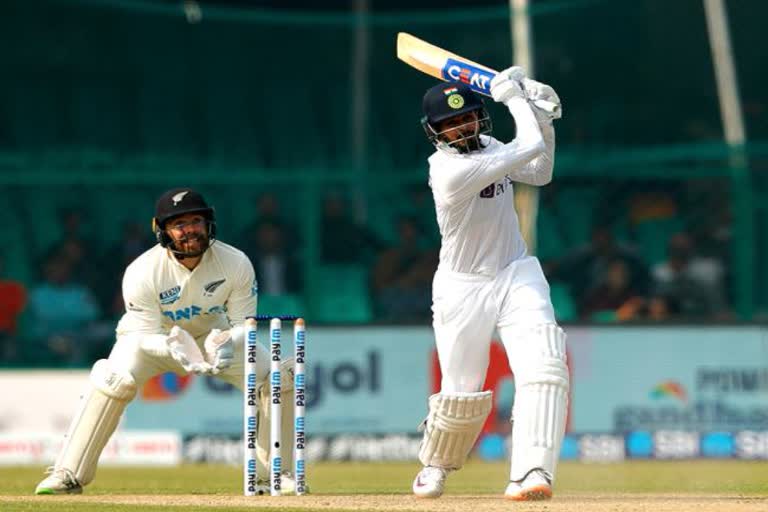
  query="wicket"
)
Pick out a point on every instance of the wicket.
point(251, 400)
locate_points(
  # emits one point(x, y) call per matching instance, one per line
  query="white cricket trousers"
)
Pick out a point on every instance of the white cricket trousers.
point(468, 308)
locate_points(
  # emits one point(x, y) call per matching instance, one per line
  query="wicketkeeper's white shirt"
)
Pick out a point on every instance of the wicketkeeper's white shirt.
point(474, 196)
point(159, 292)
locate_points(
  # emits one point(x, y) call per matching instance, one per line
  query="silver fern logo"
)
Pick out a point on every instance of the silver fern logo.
point(211, 287)
point(178, 197)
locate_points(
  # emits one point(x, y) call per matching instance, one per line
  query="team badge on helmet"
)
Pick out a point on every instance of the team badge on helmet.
point(455, 101)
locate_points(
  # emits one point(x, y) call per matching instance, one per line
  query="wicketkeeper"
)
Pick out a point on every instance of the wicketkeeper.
point(186, 300)
point(486, 281)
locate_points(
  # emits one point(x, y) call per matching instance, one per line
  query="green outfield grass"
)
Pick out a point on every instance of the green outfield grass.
point(634, 479)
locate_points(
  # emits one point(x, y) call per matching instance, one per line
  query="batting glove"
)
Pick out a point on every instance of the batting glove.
point(506, 85)
point(184, 350)
point(543, 97)
point(219, 350)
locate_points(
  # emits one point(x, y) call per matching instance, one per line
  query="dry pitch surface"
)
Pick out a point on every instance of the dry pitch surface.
point(637, 486)
point(448, 503)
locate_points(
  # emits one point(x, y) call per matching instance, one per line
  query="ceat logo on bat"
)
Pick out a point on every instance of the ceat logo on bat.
point(479, 80)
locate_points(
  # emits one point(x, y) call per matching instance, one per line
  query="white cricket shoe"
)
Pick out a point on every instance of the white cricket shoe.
point(536, 486)
point(430, 482)
point(59, 481)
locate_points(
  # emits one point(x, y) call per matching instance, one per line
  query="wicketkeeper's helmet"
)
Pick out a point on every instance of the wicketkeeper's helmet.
point(179, 201)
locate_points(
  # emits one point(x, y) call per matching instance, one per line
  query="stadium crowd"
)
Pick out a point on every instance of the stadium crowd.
point(65, 314)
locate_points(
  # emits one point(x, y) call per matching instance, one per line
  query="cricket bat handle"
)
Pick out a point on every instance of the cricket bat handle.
point(547, 105)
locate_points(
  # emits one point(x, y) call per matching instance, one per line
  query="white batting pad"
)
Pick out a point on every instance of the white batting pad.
point(286, 422)
point(452, 426)
point(541, 403)
point(95, 420)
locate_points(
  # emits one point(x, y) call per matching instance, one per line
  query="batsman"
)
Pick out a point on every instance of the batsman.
point(186, 300)
point(486, 281)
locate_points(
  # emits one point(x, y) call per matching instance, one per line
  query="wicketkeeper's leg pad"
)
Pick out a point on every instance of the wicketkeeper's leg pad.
point(452, 426)
point(286, 422)
point(95, 420)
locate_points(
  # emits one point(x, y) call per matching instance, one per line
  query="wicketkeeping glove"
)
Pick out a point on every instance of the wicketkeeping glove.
point(219, 350)
point(184, 350)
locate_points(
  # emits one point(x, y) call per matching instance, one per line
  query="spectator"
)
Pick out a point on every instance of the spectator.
point(659, 308)
point(421, 208)
point(134, 241)
point(277, 270)
point(343, 240)
point(694, 283)
point(268, 212)
point(268, 209)
point(72, 229)
point(13, 299)
point(79, 251)
point(587, 267)
point(614, 296)
point(63, 316)
point(402, 276)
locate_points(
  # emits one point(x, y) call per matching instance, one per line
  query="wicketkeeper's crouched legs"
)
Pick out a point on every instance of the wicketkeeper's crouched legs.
point(95, 420)
point(113, 383)
point(537, 357)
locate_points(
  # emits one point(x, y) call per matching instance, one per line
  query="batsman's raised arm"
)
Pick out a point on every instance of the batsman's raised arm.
point(534, 144)
point(527, 158)
point(463, 177)
point(538, 171)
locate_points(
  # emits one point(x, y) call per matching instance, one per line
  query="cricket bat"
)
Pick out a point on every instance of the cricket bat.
point(447, 66)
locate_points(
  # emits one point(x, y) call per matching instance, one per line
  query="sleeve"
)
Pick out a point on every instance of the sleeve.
point(142, 311)
point(242, 301)
point(472, 174)
point(538, 171)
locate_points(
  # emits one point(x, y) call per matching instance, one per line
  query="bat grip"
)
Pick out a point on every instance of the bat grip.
point(547, 105)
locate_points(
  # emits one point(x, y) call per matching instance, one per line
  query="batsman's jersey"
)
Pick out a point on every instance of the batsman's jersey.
point(474, 196)
point(159, 292)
